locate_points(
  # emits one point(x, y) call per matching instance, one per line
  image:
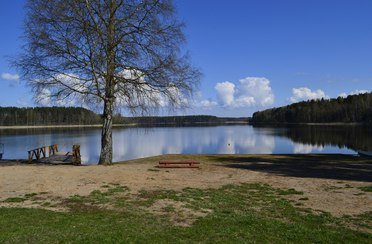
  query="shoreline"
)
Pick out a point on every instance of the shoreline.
point(330, 124)
point(330, 183)
point(341, 156)
point(179, 125)
point(60, 126)
point(122, 125)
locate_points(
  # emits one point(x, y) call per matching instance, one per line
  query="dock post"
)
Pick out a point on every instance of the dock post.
point(76, 156)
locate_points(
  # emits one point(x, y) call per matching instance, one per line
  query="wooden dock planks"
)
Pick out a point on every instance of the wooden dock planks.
point(55, 156)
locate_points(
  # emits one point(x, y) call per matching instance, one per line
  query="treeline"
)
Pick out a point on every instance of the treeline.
point(352, 109)
point(178, 120)
point(14, 116)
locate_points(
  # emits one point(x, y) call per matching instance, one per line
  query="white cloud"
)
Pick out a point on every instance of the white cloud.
point(10, 77)
point(146, 94)
point(356, 92)
point(342, 95)
point(43, 97)
point(207, 104)
point(244, 101)
point(304, 94)
point(255, 91)
point(225, 93)
point(23, 102)
point(47, 96)
point(251, 91)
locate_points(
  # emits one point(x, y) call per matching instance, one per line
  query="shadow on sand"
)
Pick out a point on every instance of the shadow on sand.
point(325, 166)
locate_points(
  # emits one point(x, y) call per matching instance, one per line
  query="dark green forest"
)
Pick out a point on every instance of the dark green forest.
point(14, 116)
point(352, 109)
point(178, 120)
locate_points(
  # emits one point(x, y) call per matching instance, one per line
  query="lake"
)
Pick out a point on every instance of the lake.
point(131, 143)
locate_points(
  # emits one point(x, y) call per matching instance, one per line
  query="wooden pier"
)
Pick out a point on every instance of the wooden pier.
point(54, 156)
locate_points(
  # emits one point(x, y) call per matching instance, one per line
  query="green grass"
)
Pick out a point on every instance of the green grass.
point(366, 188)
point(15, 199)
point(253, 213)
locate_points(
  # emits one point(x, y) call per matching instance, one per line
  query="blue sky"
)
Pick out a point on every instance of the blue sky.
point(253, 54)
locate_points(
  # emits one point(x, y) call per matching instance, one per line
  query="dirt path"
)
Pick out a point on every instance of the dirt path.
point(330, 184)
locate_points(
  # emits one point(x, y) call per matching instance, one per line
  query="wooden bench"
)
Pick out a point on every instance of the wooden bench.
point(178, 164)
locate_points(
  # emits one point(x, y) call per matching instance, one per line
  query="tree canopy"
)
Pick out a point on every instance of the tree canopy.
point(352, 109)
point(109, 53)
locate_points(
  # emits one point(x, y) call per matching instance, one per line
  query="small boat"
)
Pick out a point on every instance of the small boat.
point(365, 153)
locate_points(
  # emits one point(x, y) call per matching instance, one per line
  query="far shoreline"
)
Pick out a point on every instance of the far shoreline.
point(289, 124)
point(123, 125)
point(178, 125)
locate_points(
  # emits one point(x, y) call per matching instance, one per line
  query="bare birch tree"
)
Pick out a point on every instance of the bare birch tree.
point(109, 52)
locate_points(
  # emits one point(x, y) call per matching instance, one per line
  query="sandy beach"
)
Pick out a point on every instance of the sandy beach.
point(330, 182)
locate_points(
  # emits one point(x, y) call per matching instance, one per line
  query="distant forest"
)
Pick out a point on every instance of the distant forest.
point(14, 116)
point(352, 109)
point(178, 120)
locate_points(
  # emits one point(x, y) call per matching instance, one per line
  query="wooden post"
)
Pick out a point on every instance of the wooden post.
point(29, 156)
point(76, 156)
point(43, 151)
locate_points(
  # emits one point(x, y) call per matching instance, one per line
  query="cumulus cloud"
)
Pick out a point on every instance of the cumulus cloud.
point(10, 77)
point(145, 95)
point(255, 91)
point(225, 93)
point(304, 94)
point(250, 91)
point(356, 92)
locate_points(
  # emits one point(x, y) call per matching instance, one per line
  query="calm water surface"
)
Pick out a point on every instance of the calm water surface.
point(131, 143)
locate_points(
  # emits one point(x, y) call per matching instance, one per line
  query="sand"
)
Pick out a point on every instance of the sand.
point(338, 195)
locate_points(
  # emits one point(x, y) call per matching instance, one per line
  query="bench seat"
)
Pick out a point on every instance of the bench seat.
point(178, 164)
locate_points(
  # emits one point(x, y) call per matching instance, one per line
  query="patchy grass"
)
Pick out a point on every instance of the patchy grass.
point(30, 195)
point(230, 214)
point(15, 199)
point(154, 170)
point(290, 192)
point(303, 199)
point(366, 188)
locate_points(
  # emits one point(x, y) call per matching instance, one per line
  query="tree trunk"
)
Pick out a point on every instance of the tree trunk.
point(106, 138)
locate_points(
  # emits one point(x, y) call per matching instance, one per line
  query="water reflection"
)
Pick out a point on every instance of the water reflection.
point(130, 143)
point(319, 136)
point(306, 148)
point(140, 142)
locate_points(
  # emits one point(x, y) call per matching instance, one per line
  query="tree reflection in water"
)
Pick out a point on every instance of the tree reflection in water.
point(355, 137)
